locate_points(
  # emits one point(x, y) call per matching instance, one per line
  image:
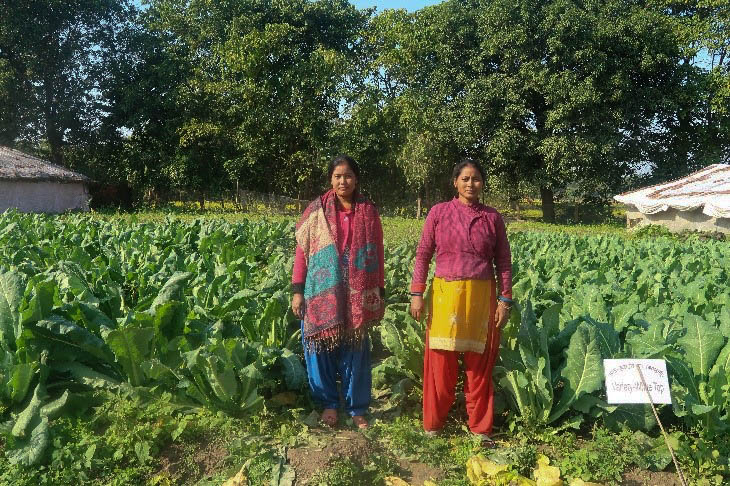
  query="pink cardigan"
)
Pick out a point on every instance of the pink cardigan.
point(470, 242)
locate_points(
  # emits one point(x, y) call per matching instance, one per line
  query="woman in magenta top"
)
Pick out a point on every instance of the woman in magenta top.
point(471, 300)
point(338, 289)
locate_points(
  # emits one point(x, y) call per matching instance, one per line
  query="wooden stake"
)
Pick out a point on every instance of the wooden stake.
point(666, 437)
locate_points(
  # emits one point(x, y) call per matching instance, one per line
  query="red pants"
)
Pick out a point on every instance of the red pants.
point(440, 372)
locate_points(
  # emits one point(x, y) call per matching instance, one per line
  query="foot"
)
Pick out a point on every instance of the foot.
point(329, 417)
point(360, 421)
point(433, 433)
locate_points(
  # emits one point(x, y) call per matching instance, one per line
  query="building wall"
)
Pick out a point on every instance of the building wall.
point(43, 197)
point(677, 221)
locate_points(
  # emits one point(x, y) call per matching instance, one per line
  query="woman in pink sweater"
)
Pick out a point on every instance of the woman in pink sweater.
point(338, 288)
point(471, 300)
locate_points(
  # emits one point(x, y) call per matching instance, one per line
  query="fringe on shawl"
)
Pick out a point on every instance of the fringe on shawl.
point(338, 337)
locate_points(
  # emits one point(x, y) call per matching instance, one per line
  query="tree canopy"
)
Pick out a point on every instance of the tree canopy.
point(559, 98)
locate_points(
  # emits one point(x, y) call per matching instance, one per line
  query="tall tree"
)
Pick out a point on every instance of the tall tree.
point(263, 96)
point(551, 92)
point(53, 52)
point(695, 128)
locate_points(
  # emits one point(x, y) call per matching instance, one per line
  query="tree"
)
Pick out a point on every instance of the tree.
point(261, 100)
point(550, 92)
point(51, 57)
point(695, 128)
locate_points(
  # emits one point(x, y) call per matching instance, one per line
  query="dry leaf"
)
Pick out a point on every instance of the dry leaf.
point(394, 481)
point(237, 480)
point(545, 474)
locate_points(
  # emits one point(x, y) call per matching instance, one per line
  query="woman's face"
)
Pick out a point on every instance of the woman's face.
point(344, 181)
point(469, 184)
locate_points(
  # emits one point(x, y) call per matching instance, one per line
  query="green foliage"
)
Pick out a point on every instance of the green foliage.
point(343, 472)
point(403, 337)
point(165, 307)
point(604, 458)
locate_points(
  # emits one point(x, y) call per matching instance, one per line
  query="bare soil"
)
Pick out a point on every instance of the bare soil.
point(192, 461)
point(640, 477)
point(326, 446)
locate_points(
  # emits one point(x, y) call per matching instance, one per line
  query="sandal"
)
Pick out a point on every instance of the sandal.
point(432, 433)
point(360, 421)
point(329, 417)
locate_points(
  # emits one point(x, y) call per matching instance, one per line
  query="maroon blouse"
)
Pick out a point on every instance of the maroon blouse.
point(470, 242)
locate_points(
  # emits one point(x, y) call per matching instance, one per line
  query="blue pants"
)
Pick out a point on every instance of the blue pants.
point(353, 368)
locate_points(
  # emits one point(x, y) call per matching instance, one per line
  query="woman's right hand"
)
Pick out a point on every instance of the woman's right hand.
point(417, 307)
point(298, 306)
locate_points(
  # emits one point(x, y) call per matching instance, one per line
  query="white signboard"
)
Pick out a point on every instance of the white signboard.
point(624, 385)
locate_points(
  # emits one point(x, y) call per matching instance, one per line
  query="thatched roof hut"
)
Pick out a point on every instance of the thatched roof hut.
point(30, 184)
point(700, 201)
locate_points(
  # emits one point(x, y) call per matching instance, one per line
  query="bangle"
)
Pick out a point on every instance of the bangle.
point(416, 294)
point(504, 299)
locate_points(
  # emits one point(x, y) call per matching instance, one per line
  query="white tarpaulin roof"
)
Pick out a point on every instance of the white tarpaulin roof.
point(708, 189)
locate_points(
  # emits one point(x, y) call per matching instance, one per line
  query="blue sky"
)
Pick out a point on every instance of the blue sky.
point(383, 4)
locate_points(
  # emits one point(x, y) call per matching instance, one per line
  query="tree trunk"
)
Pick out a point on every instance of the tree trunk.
point(548, 205)
point(53, 134)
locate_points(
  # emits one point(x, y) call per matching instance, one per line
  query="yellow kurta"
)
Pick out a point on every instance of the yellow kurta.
point(461, 312)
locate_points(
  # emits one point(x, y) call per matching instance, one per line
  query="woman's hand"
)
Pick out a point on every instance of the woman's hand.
point(502, 314)
point(417, 307)
point(298, 306)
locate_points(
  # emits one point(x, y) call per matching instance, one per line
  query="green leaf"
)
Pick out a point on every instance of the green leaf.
point(699, 409)
point(91, 317)
point(282, 474)
point(40, 304)
point(239, 299)
point(221, 379)
point(29, 451)
point(12, 287)
point(583, 372)
point(172, 290)
point(633, 416)
point(550, 319)
point(142, 451)
point(648, 343)
point(89, 455)
point(169, 319)
point(621, 314)
point(607, 338)
point(295, 376)
point(30, 412)
point(131, 347)
point(74, 337)
point(21, 376)
point(701, 344)
point(88, 376)
point(53, 409)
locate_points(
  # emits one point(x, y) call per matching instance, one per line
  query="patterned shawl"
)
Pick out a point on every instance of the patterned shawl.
point(339, 311)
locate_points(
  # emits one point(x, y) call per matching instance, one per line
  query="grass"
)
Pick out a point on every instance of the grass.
point(396, 229)
point(102, 447)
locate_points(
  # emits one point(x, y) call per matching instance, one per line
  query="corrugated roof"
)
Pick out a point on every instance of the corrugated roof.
point(18, 166)
point(708, 189)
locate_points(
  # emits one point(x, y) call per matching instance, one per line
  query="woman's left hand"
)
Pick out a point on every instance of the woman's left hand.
point(502, 315)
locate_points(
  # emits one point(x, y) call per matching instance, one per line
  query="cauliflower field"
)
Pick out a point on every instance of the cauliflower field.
point(198, 312)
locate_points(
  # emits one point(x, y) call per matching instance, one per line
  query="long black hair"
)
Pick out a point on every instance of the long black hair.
point(338, 161)
point(465, 163)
